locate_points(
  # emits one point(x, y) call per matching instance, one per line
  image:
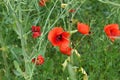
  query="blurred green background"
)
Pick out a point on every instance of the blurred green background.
point(100, 58)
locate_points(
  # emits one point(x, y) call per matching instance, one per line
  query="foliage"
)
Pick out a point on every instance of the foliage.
point(94, 57)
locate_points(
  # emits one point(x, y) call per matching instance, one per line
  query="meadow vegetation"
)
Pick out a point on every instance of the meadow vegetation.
point(93, 56)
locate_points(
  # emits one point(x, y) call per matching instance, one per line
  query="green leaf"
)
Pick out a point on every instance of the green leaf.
point(19, 71)
point(71, 72)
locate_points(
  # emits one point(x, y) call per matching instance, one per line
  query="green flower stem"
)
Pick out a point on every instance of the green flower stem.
point(110, 2)
point(4, 55)
point(74, 31)
point(19, 31)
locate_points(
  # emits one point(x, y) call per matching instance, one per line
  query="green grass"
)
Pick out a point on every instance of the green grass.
point(99, 57)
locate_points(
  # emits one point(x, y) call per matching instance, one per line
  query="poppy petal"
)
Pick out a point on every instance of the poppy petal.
point(42, 2)
point(112, 31)
point(83, 28)
point(66, 34)
point(72, 10)
point(65, 49)
point(110, 27)
point(35, 28)
point(39, 60)
point(35, 34)
point(53, 34)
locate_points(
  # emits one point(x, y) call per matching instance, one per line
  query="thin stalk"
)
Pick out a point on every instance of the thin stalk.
point(110, 2)
point(20, 33)
point(4, 52)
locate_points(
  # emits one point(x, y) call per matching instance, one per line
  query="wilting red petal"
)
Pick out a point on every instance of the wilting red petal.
point(33, 60)
point(54, 34)
point(72, 10)
point(35, 34)
point(35, 28)
point(42, 2)
point(65, 49)
point(36, 31)
point(112, 31)
point(83, 28)
point(39, 60)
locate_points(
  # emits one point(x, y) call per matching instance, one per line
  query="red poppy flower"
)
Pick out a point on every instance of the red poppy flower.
point(39, 60)
point(65, 49)
point(35, 34)
point(42, 2)
point(36, 31)
point(35, 28)
point(112, 31)
point(58, 36)
point(72, 10)
point(83, 28)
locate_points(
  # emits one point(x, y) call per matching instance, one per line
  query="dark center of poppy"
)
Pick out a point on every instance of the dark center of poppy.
point(113, 32)
point(59, 38)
